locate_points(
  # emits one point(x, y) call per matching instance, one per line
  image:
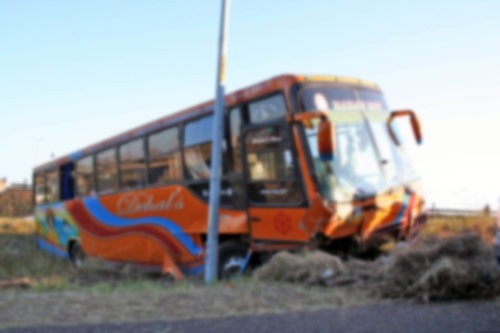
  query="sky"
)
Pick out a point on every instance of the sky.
point(75, 72)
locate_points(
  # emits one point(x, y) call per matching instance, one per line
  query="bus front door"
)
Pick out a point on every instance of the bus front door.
point(275, 196)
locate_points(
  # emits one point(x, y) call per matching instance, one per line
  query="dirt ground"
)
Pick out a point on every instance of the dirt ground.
point(61, 295)
point(99, 293)
point(243, 297)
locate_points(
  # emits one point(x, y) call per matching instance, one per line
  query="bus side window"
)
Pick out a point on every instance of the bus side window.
point(39, 188)
point(85, 176)
point(164, 156)
point(67, 181)
point(266, 109)
point(52, 188)
point(198, 147)
point(132, 164)
point(235, 132)
point(107, 171)
point(272, 178)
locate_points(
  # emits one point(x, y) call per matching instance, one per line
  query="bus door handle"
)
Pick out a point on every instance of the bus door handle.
point(255, 219)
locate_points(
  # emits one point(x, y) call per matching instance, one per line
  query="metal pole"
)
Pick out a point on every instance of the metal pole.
point(217, 136)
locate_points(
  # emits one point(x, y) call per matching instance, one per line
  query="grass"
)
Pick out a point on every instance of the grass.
point(15, 225)
point(241, 297)
point(98, 293)
point(483, 225)
point(19, 257)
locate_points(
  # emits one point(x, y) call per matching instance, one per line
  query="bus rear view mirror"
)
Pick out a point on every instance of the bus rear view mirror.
point(326, 132)
point(326, 140)
point(415, 125)
point(306, 118)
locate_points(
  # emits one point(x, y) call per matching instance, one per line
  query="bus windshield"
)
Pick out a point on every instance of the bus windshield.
point(366, 161)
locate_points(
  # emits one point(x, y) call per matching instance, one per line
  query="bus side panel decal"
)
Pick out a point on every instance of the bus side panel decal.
point(55, 224)
point(100, 213)
point(51, 248)
point(96, 228)
point(407, 205)
point(193, 270)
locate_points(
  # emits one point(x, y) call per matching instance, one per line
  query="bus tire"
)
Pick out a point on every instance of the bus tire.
point(76, 254)
point(232, 258)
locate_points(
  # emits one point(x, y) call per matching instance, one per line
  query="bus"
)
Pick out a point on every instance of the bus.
point(307, 162)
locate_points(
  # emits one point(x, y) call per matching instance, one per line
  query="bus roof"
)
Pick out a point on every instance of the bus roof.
point(275, 83)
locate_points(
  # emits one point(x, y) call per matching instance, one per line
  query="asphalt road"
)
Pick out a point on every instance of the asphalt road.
point(394, 317)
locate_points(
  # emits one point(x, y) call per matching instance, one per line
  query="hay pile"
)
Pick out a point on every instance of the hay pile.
point(314, 267)
point(459, 267)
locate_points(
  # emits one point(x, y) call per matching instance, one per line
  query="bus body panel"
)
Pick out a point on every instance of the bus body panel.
point(138, 226)
point(176, 203)
point(55, 228)
point(286, 224)
point(385, 214)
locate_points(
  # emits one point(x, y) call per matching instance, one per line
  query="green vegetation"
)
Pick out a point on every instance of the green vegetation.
point(21, 258)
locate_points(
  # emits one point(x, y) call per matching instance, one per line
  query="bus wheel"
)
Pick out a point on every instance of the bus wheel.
point(76, 254)
point(232, 259)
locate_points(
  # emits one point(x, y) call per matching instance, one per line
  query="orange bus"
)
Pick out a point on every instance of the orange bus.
point(308, 162)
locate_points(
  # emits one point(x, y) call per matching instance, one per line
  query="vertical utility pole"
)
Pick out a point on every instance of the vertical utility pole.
point(212, 252)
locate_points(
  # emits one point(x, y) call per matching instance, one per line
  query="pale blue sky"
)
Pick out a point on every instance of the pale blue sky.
point(72, 73)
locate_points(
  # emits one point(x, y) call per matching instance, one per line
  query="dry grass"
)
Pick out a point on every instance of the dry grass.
point(14, 225)
point(309, 267)
point(457, 267)
point(451, 267)
point(99, 293)
point(20, 258)
point(461, 266)
point(181, 300)
point(444, 264)
point(442, 226)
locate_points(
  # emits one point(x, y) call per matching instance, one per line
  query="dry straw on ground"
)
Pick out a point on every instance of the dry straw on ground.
point(309, 267)
point(13, 225)
point(458, 267)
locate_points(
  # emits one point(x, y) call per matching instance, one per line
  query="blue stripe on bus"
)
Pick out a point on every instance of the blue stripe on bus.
point(401, 213)
point(193, 270)
point(52, 249)
point(104, 216)
point(326, 157)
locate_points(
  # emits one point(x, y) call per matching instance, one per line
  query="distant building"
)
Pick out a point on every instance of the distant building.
point(3, 184)
point(15, 200)
point(19, 186)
